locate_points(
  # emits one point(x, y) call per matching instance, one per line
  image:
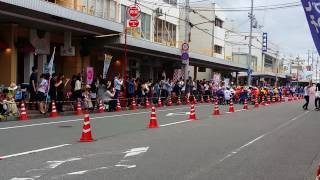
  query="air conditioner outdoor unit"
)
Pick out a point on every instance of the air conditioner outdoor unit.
point(159, 12)
point(67, 51)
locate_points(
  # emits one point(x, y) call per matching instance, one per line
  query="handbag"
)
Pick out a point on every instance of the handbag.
point(317, 93)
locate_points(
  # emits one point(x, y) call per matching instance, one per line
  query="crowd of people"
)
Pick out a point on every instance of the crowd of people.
point(64, 90)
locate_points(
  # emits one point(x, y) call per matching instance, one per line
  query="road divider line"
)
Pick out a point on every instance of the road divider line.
point(236, 151)
point(34, 151)
point(174, 123)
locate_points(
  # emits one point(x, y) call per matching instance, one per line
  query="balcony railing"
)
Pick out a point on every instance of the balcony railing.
point(106, 9)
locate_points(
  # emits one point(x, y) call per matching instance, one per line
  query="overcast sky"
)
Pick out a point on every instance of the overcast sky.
point(288, 28)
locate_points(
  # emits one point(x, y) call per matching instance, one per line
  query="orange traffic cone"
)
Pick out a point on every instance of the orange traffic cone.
point(208, 99)
point(256, 104)
point(262, 102)
point(101, 108)
point(179, 101)
point(192, 116)
point(78, 110)
point(54, 113)
point(159, 102)
point(23, 112)
point(169, 102)
point(195, 100)
point(153, 118)
point(231, 107)
point(187, 101)
point(201, 100)
point(147, 106)
point(283, 99)
point(133, 105)
point(273, 99)
point(290, 98)
point(216, 111)
point(118, 108)
point(318, 173)
point(268, 100)
point(86, 130)
point(245, 106)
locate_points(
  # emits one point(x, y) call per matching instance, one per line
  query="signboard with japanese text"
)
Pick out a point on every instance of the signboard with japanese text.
point(312, 10)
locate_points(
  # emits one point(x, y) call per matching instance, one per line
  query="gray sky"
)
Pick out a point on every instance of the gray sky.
point(287, 28)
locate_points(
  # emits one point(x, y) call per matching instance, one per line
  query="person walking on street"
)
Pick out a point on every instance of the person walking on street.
point(306, 96)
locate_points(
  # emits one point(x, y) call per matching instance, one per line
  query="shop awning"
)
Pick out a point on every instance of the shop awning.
point(23, 45)
point(3, 44)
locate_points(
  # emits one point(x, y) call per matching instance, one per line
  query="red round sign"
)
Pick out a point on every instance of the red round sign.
point(134, 11)
point(133, 23)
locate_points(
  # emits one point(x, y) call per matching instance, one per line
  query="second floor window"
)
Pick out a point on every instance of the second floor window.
point(217, 49)
point(172, 2)
point(218, 22)
point(165, 32)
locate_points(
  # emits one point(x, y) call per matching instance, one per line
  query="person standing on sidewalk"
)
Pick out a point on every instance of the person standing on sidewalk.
point(33, 85)
point(117, 85)
point(306, 96)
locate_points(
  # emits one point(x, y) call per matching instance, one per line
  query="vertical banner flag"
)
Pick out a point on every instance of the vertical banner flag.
point(312, 10)
point(106, 65)
point(89, 75)
point(50, 65)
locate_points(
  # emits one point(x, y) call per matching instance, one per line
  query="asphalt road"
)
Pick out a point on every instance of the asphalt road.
point(269, 143)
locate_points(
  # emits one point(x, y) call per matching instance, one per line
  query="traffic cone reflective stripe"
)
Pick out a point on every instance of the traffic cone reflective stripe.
point(54, 113)
point(245, 106)
point(147, 106)
point(23, 112)
point(231, 107)
point(153, 118)
point(118, 108)
point(133, 105)
point(192, 116)
point(86, 130)
point(216, 111)
point(78, 110)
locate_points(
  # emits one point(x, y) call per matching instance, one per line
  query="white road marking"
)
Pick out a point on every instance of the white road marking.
point(78, 172)
point(178, 114)
point(126, 166)
point(34, 151)
point(174, 123)
point(101, 117)
point(135, 151)
point(15, 178)
point(54, 164)
point(236, 151)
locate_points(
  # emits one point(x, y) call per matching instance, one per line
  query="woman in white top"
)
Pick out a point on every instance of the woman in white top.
point(306, 96)
point(109, 99)
point(42, 92)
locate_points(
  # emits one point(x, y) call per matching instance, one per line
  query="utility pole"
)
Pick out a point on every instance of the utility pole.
point(308, 57)
point(277, 68)
point(317, 69)
point(186, 37)
point(213, 27)
point(250, 45)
